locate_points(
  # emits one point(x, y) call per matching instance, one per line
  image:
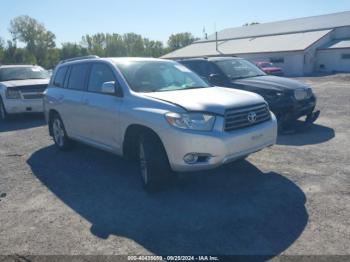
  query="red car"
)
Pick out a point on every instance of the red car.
point(269, 68)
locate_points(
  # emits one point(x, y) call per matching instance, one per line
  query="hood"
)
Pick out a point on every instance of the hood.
point(212, 99)
point(23, 83)
point(270, 82)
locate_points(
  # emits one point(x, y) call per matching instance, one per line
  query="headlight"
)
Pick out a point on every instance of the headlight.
point(193, 121)
point(300, 94)
point(272, 95)
point(12, 94)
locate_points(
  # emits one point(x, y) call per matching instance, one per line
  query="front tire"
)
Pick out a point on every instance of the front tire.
point(153, 162)
point(3, 113)
point(59, 133)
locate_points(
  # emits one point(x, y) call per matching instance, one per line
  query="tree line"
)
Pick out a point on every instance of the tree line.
point(32, 43)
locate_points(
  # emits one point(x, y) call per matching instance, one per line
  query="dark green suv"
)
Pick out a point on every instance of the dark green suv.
point(288, 99)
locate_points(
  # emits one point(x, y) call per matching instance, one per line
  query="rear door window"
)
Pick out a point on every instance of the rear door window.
point(77, 77)
point(60, 76)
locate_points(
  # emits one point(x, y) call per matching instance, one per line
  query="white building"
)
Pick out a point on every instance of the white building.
point(300, 46)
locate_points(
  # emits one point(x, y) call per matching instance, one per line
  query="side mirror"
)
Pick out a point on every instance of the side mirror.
point(216, 79)
point(108, 87)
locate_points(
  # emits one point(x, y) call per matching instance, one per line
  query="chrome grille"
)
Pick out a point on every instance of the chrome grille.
point(33, 96)
point(32, 91)
point(243, 117)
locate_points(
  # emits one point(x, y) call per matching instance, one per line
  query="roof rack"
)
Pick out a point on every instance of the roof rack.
point(78, 58)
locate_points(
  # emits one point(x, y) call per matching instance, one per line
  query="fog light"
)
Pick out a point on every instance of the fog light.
point(191, 158)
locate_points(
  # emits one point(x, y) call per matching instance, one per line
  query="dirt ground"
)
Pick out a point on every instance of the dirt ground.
point(291, 199)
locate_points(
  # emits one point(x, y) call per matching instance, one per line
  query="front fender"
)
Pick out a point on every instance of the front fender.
point(151, 118)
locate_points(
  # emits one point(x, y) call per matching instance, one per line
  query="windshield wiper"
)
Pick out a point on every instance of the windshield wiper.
point(243, 77)
point(193, 87)
point(240, 77)
point(259, 75)
point(170, 90)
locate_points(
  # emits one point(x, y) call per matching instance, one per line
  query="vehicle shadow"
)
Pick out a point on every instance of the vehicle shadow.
point(307, 135)
point(23, 121)
point(236, 209)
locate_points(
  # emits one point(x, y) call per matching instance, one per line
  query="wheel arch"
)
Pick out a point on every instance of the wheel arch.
point(2, 104)
point(1, 97)
point(131, 135)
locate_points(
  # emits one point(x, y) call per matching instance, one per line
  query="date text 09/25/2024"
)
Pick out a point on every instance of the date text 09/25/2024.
point(173, 258)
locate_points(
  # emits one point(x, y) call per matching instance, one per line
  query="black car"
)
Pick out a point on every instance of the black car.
point(288, 99)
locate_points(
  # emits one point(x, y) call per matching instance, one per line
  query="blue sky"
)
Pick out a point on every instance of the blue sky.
point(156, 19)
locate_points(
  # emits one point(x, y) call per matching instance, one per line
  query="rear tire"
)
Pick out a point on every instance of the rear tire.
point(153, 162)
point(3, 113)
point(59, 133)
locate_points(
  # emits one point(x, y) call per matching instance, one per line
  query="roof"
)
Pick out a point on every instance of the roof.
point(133, 59)
point(345, 43)
point(306, 24)
point(266, 44)
point(78, 60)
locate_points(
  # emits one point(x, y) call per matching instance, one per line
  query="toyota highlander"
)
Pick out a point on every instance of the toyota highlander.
point(157, 112)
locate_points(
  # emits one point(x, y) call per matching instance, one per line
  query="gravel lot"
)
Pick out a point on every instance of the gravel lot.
point(291, 199)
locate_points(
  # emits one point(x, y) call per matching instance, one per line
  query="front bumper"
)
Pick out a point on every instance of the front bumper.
point(221, 147)
point(291, 110)
point(16, 106)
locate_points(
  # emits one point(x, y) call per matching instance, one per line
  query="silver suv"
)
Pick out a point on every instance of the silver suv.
point(157, 112)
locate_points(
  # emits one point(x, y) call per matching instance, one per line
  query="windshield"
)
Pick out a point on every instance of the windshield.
point(22, 73)
point(159, 76)
point(239, 68)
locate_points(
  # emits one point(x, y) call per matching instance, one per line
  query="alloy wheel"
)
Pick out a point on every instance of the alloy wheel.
point(58, 132)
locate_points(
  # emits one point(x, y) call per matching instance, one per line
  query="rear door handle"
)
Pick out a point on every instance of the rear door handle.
point(85, 101)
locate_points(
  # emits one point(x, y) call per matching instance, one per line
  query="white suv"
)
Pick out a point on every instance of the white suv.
point(21, 89)
point(157, 112)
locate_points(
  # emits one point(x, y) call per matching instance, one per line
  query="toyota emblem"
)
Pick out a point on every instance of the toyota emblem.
point(252, 117)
